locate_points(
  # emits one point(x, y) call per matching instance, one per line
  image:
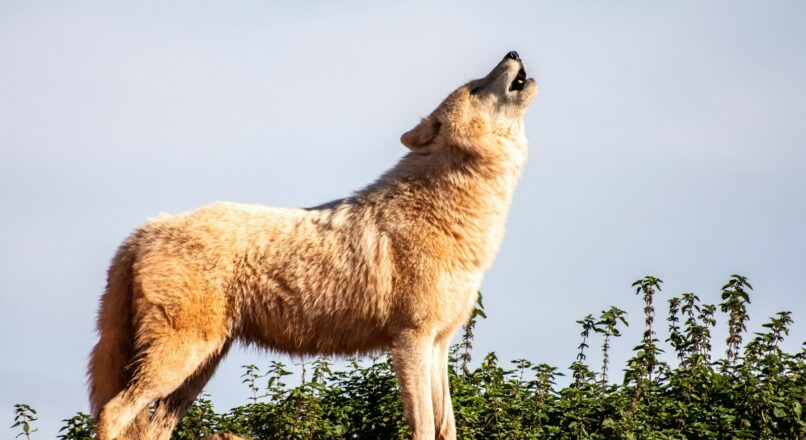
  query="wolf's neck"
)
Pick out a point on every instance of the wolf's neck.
point(479, 185)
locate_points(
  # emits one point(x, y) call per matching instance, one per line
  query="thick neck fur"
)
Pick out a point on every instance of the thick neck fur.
point(454, 195)
point(497, 160)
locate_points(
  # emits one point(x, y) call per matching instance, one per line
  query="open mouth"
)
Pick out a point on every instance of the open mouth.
point(520, 80)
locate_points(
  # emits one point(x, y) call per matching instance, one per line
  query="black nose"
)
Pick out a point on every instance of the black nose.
point(513, 55)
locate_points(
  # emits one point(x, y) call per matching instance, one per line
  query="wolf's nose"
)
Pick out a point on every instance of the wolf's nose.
point(513, 55)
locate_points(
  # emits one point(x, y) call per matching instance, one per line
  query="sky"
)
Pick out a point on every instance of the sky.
point(667, 139)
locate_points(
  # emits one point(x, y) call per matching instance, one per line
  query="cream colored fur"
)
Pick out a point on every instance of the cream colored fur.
point(396, 266)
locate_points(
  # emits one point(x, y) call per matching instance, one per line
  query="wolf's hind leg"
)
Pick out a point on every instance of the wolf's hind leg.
point(170, 410)
point(161, 369)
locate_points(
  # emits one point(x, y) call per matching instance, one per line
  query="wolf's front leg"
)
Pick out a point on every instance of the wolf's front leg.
point(440, 390)
point(412, 351)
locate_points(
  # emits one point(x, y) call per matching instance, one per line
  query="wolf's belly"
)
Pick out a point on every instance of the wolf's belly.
point(309, 323)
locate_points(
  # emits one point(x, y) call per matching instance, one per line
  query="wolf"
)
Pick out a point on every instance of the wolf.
point(394, 267)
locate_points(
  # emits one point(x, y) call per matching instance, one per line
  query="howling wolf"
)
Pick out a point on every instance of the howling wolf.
point(396, 266)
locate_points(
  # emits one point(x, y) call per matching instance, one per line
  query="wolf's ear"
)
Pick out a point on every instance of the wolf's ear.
point(418, 138)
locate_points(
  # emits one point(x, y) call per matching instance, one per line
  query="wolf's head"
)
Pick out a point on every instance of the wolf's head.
point(474, 115)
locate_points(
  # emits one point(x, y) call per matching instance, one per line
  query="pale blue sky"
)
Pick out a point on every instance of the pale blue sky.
point(667, 139)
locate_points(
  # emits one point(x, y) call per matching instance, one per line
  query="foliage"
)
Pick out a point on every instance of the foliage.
point(79, 427)
point(23, 416)
point(756, 391)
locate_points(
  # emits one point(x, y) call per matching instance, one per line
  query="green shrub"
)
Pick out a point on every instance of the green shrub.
point(755, 391)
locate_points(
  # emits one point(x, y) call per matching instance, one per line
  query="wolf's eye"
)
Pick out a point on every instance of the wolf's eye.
point(475, 90)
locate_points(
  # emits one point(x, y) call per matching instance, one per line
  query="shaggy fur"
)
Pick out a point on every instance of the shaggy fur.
point(395, 266)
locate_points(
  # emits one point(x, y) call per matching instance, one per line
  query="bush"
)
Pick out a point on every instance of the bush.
point(755, 391)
